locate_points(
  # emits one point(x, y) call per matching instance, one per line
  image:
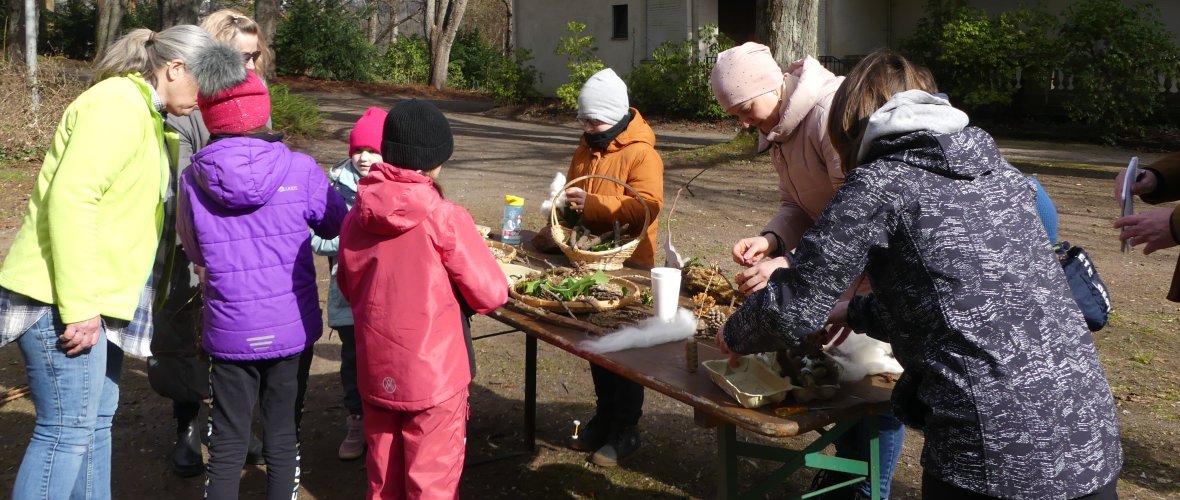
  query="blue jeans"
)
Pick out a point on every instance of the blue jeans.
point(854, 444)
point(69, 455)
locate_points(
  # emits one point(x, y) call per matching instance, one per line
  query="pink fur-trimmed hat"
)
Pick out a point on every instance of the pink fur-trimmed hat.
point(743, 73)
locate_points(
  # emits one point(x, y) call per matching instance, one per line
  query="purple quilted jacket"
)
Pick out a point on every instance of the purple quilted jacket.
point(246, 204)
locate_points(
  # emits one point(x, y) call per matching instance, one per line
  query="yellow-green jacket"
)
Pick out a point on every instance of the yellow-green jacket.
point(89, 238)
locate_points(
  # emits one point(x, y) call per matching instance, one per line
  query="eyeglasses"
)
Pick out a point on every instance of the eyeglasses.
point(251, 56)
point(589, 122)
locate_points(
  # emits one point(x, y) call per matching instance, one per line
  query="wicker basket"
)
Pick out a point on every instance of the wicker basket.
point(507, 252)
point(606, 260)
point(586, 304)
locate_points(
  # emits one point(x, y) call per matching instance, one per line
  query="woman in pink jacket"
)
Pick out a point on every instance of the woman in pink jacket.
point(414, 268)
point(790, 110)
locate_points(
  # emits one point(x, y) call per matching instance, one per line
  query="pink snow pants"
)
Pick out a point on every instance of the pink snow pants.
point(416, 454)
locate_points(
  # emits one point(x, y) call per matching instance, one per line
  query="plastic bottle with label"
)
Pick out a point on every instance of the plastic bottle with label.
point(513, 209)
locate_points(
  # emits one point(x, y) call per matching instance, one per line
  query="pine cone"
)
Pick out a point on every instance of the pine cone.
point(714, 320)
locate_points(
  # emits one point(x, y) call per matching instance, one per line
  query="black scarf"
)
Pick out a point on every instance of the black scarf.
point(602, 140)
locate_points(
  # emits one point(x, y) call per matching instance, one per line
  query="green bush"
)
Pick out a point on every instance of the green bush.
point(581, 61)
point(322, 39)
point(294, 115)
point(508, 79)
point(513, 80)
point(976, 59)
point(1113, 53)
point(406, 61)
point(69, 31)
point(675, 82)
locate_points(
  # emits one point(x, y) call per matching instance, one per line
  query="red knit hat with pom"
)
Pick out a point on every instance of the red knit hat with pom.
point(367, 132)
point(237, 110)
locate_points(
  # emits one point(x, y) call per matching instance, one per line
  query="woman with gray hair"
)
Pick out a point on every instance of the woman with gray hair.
point(77, 288)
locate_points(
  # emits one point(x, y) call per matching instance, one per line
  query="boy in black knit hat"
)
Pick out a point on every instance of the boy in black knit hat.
point(414, 268)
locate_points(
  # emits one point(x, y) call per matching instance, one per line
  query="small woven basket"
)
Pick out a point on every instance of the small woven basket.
point(506, 252)
point(606, 260)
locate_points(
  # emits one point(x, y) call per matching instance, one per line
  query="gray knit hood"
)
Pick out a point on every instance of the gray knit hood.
point(911, 111)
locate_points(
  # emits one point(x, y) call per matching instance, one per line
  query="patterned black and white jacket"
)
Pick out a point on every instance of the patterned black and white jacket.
point(1001, 373)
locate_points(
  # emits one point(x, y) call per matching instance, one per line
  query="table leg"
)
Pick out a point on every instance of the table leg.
point(727, 480)
point(874, 457)
point(530, 392)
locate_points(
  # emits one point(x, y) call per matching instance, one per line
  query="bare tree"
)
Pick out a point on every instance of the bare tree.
point(789, 27)
point(508, 20)
point(174, 12)
point(442, 23)
point(266, 14)
point(14, 32)
point(110, 14)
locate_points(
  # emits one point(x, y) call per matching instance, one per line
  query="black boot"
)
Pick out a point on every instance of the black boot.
point(254, 452)
point(186, 454)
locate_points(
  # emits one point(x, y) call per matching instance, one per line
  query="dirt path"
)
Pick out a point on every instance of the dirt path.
point(496, 156)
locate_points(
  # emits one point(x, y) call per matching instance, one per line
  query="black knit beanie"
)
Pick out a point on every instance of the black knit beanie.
point(416, 136)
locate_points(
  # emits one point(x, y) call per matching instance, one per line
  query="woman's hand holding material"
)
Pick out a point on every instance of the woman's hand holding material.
point(757, 276)
point(1153, 228)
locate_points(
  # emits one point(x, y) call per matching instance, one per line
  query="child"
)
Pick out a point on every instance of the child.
point(246, 202)
point(414, 268)
point(364, 150)
point(616, 142)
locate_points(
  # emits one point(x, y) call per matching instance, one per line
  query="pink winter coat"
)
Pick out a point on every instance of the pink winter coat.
point(408, 259)
point(808, 166)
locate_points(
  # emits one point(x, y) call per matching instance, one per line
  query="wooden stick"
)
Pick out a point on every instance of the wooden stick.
point(544, 315)
point(14, 393)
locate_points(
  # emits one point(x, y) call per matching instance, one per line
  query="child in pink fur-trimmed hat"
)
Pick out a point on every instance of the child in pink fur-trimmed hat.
point(364, 150)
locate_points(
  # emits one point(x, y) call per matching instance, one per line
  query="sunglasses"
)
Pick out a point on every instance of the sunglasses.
point(251, 56)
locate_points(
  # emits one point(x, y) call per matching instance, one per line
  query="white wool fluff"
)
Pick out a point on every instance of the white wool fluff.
point(554, 189)
point(647, 333)
point(860, 355)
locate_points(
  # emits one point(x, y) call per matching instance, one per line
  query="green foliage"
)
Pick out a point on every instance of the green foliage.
point(568, 289)
point(143, 15)
point(509, 79)
point(69, 31)
point(976, 58)
point(294, 115)
point(675, 82)
point(513, 80)
point(582, 62)
point(406, 61)
point(1114, 53)
point(322, 39)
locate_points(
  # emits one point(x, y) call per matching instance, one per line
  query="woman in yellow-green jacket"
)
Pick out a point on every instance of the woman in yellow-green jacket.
point(76, 288)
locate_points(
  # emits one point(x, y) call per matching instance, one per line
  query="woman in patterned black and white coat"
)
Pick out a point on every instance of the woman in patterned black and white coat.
point(1001, 373)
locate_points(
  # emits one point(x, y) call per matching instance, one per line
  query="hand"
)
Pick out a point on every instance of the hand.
point(755, 278)
point(1153, 228)
point(749, 251)
point(1146, 183)
point(80, 336)
point(839, 315)
point(576, 197)
point(734, 359)
point(200, 272)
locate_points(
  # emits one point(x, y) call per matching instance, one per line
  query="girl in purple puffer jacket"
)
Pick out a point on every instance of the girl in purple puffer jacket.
point(245, 205)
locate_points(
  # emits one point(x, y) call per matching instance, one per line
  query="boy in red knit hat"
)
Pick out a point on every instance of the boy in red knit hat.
point(364, 150)
point(246, 203)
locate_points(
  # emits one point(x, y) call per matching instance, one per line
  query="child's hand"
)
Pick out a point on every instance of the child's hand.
point(576, 197)
point(200, 272)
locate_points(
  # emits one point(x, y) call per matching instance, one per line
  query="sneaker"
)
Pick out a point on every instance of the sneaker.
point(353, 446)
point(591, 436)
point(621, 444)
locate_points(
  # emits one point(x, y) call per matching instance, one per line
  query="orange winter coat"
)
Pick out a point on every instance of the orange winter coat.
point(808, 166)
point(409, 261)
point(631, 158)
point(1168, 169)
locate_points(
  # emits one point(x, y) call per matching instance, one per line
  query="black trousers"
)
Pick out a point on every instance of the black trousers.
point(620, 401)
point(187, 411)
point(933, 489)
point(237, 386)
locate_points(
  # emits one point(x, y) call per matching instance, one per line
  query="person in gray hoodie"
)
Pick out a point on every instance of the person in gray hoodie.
point(1001, 373)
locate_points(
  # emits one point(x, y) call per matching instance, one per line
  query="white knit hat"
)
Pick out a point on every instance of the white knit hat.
point(603, 98)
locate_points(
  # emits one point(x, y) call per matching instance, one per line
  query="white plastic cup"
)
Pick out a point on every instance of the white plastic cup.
point(665, 291)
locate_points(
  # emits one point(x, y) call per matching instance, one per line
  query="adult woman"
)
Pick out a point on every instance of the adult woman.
point(175, 370)
point(791, 111)
point(1001, 373)
point(1160, 228)
point(616, 142)
point(74, 280)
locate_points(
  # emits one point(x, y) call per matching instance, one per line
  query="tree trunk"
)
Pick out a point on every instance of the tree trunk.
point(110, 14)
point(266, 14)
point(374, 9)
point(31, 56)
point(14, 32)
point(174, 12)
point(508, 25)
point(442, 23)
point(789, 27)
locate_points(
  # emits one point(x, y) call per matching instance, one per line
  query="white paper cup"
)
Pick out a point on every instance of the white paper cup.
point(665, 291)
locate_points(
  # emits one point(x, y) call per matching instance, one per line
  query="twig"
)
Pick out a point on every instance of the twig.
point(536, 312)
point(14, 393)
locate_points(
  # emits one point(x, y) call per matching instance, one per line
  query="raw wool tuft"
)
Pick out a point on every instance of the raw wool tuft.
point(860, 355)
point(554, 189)
point(217, 67)
point(647, 333)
